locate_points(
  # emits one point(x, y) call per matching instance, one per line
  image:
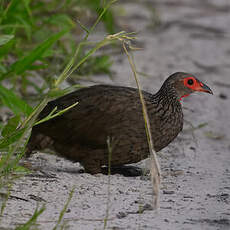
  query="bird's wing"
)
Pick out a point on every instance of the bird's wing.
point(101, 112)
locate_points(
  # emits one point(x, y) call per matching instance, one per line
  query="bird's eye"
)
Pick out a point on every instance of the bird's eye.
point(190, 81)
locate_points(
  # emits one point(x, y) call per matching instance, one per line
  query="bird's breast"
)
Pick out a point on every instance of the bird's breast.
point(166, 124)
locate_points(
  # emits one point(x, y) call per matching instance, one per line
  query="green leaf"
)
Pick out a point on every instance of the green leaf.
point(23, 64)
point(62, 20)
point(32, 221)
point(16, 104)
point(2, 68)
point(5, 38)
point(54, 114)
point(39, 66)
point(11, 126)
point(7, 47)
point(109, 22)
point(10, 8)
point(6, 141)
point(26, 25)
point(55, 93)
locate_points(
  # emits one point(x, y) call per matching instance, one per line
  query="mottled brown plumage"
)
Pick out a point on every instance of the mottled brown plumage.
point(105, 111)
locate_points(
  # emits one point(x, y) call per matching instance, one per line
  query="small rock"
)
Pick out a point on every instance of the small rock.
point(145, 177)
point(121, 215)
point(147, 207)
point(192, 148)
point(36, 198)
point(188, 197)
point(171, 201)
point(223, 96)
point(168, 192)
point(168, 207)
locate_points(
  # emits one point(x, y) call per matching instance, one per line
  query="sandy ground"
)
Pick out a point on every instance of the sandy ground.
point(195, 193)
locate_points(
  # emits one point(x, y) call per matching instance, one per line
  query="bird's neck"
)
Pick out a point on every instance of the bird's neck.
point(167, 95)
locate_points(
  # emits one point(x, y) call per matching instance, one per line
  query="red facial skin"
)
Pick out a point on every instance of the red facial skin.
point(195, 85)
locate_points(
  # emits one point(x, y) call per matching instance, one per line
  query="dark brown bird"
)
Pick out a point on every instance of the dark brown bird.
point(81, 133)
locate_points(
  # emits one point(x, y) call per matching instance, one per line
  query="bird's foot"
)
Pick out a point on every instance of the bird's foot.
point(125, 170)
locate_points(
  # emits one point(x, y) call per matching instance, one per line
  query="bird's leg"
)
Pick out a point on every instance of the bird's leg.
point(91, 166)
point(37, 141)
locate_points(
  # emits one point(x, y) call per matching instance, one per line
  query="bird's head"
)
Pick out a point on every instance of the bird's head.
point(184, 84)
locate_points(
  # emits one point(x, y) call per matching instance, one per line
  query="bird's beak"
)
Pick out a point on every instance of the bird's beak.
point(203, 88)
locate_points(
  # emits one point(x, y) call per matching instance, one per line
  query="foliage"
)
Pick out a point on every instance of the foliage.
point(36, 36)
point(107, 17)
point(32, 221)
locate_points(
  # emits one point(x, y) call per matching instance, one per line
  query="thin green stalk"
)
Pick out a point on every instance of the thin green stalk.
point(155, 167)
point(53, 114)
point(32, 117)
point(67, 71)
point(64, 209)
point(3, 205)
point(32, 220)
point(109, 144)
point(100, 16)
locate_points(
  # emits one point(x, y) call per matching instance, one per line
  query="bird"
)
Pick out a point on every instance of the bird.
point(107, 112)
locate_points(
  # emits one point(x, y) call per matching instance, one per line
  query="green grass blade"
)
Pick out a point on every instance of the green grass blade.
point(32, 221)
point(154, 164)
point(11, 126)
point(15, 136)
point(16, 104)
point(6, 48)
point(61, 216)
point(53, 114)
point(23, 64)
point(5, 38)
point(10, 8)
